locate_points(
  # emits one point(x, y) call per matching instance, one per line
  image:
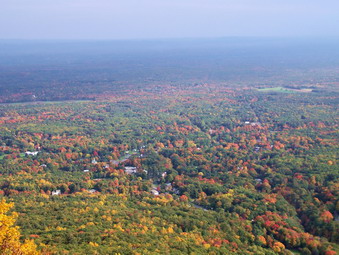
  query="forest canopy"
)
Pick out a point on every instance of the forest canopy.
point(241, 159)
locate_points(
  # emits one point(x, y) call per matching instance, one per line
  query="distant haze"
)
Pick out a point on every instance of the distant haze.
point(145, 19)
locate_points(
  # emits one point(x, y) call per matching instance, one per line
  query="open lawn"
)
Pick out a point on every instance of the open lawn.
point(284, 90)
point(277, 89)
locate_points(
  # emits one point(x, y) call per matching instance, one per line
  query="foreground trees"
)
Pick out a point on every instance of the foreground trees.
point(10, 236)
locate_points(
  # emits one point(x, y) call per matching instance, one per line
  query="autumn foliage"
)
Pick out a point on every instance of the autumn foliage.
point(10, 236)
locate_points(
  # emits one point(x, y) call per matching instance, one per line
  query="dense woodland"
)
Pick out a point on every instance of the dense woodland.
point(170, 168)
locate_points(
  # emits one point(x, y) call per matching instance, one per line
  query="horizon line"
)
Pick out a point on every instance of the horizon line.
point(168, 38)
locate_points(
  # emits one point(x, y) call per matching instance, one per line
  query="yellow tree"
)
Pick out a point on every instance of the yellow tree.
point(10, 236)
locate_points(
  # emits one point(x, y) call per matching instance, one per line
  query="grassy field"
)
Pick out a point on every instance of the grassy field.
point(284, 90)
point(277, 89)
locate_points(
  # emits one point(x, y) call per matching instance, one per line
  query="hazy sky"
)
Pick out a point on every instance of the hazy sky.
point(127, 19)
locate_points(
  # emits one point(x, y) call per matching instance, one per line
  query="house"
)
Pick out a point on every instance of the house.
point(31, 153)
point(155, 192)
point(92, 190)
point(86, 170)
point(255, 124)
point(56, 192)
point(94, 161)
point(175, 191)
point(115, 162)
point(130, 169)
point(168, 186)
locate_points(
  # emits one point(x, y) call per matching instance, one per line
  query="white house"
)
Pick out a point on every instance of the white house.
point(56, 192)
point(130, 169)
point(31, 153)
point(155, 192)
